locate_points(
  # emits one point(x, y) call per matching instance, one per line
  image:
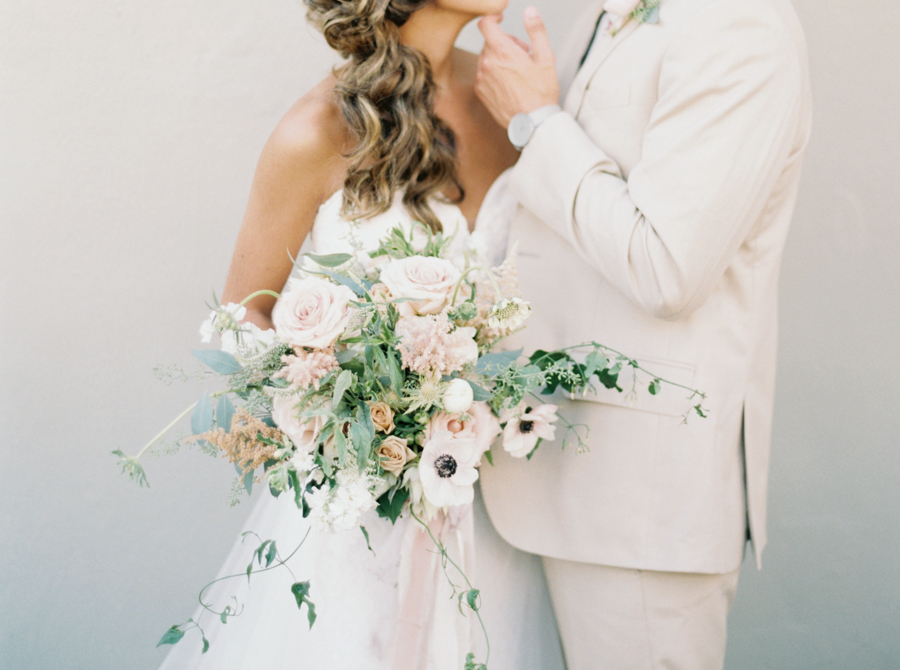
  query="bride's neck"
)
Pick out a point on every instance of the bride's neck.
point(433, 31)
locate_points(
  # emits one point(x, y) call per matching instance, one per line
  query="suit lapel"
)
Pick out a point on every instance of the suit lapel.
point(604, 45)
point(576, 43)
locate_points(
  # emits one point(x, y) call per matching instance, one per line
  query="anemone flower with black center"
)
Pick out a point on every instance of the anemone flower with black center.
point(447, 469)
point(523, 432)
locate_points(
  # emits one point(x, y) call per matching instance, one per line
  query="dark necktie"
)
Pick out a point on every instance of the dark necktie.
point(593, 39)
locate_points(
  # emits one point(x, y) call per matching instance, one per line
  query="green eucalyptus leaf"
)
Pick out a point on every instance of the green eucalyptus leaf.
point(390, 504)
point(301, 594)
point(271, 554)
point(205, 643)
point(494, 363)
point(220, 361)
point(345, 281)
point(247, 480)
point(224, 413)
point(594, 361)
point(171, 636)
point(480, 394)
point(331, 260)
point(395, 372)
point(366, 535)
point(654, 387)
point(472, 598)
point(340, 443)
point(201, 419)
point(341, 385)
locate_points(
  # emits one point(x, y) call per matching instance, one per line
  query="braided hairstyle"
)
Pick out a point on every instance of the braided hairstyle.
point(386, 93)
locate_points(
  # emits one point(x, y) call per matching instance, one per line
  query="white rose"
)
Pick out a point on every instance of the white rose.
point(458, 396)
point(428, 281)
point(313, 313)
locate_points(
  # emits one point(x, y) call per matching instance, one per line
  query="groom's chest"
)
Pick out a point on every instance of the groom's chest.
point(613, 94)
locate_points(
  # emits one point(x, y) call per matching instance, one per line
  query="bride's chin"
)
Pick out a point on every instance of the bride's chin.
point(474, 7)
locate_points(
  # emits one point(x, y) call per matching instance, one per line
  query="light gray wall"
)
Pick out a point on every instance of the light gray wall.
point(128, 136)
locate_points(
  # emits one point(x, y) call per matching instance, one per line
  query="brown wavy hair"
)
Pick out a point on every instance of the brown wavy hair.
point(386, 93)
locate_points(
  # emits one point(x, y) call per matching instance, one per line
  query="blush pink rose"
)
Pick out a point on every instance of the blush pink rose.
point(428, 281)
point(313, 313)
point(481, 427)
point(304, 433)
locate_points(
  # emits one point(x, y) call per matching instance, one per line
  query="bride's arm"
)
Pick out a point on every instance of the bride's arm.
point(300, 166)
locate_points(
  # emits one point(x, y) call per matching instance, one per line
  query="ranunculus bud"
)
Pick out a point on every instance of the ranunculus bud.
point(458, 396)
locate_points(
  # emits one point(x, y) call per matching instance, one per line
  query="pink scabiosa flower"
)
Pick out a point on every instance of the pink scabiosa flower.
point(522, 432)
point(306, 368)
point(447, 469)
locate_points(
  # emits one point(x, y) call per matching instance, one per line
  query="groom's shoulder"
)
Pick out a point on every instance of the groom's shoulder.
point(777, 14)
point(766, 27)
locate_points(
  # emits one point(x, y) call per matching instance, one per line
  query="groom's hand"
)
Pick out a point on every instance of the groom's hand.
point(511, 79)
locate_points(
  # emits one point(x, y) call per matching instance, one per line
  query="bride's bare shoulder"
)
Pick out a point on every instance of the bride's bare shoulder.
point(310, 141)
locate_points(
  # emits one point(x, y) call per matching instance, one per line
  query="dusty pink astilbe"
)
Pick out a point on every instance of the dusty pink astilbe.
point(430, 348)
point(306, 368)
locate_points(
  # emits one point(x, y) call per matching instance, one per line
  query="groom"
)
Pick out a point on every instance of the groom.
point(654, 209)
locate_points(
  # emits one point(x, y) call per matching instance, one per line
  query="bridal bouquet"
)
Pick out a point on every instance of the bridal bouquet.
point(382, 387)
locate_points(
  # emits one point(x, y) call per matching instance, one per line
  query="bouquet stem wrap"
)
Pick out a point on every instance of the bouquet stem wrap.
point(430, 631)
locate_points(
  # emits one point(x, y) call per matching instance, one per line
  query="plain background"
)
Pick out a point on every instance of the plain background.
point(129, 132)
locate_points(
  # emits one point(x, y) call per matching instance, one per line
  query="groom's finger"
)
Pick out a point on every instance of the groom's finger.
point(524, 46)
point(537, 31)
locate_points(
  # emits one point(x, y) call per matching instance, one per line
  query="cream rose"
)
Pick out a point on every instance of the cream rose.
point(382, 417)
point(394, 454)
point(429, 282)
point(303, 434)
point(313, 313)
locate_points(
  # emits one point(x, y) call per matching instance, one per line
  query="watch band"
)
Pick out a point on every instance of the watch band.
point(522, 126)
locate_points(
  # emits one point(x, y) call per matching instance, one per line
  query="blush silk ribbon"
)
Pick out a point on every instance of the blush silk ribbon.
point(431, 633)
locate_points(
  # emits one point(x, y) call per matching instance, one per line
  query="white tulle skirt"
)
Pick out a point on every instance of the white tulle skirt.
point(356, 597)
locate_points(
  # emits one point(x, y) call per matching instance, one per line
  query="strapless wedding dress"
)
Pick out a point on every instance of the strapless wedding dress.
point(357, 591)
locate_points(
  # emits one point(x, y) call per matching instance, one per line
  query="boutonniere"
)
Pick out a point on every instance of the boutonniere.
point(622, 11)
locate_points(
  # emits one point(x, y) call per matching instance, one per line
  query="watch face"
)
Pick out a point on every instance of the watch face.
point(520, 129)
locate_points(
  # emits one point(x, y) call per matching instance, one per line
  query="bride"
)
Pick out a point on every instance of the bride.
point(396, 135)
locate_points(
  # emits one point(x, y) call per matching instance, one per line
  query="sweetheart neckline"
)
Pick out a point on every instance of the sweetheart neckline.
point(502, 177)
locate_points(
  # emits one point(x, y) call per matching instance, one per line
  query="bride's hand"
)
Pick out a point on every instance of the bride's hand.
point(512, 77)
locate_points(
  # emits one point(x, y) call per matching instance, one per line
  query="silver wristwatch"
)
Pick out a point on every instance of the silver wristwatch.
point(522, 126)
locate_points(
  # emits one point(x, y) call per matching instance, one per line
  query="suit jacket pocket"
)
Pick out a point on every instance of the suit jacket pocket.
point(605, 97)
point(670, 401)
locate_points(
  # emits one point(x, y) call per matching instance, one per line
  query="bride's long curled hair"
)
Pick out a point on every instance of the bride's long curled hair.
point(386, 93)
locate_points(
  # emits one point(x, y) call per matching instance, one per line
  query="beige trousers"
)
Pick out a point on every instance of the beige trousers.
point(623, 619)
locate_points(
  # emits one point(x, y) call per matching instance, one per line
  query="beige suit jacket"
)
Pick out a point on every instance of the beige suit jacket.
point(653, 216)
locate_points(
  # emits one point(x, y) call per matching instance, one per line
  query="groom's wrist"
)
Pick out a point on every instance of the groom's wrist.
point(523, 126)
